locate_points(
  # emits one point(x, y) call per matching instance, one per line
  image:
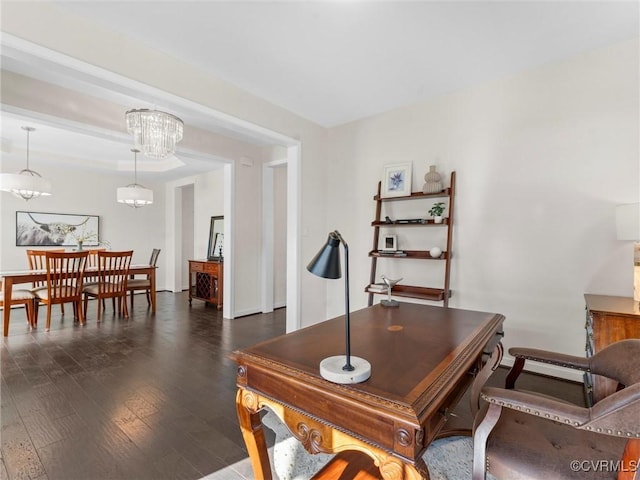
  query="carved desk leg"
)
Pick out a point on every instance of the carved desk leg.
point(492, 363)
point(315, 436)
point(253, 434)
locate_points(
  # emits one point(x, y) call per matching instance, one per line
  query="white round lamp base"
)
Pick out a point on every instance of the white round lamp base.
point(331, 369)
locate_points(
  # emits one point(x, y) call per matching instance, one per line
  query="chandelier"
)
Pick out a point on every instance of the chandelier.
point(27, 183)
point(155, 133)
point(135, 195)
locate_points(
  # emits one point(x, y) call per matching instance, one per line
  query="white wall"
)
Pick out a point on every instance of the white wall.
point(542, 158)
point(248, 234)
point(208, 202)
point(139, 229)
point(280, 239)
point(187, 235)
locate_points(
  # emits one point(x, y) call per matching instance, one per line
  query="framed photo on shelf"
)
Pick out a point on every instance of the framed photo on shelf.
point(389, 243)
point(396, 180)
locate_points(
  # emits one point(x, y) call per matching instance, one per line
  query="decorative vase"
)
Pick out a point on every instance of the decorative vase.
point(79, 245)
point(435, 252)
point(433, 181)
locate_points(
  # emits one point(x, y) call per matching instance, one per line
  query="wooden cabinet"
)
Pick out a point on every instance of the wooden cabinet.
point(205, 281)
point(439, 293)
point(609, 320)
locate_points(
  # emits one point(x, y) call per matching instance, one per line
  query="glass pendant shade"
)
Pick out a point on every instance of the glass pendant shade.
point(27, 183)
point(155, 133)
point(134, 194)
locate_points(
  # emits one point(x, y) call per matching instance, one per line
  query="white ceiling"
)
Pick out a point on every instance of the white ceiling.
point(332, 61)
point(337, 61)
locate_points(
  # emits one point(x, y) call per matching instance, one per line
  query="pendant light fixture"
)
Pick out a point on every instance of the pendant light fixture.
point(156, 133)
point(135, 195)
point(27, 183)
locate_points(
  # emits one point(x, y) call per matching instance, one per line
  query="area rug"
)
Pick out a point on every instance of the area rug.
point(447, 459)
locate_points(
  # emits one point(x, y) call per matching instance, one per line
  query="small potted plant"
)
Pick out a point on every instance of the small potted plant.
point(436, 212)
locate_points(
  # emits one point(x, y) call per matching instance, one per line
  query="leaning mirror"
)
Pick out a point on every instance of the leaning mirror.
point(216, 238)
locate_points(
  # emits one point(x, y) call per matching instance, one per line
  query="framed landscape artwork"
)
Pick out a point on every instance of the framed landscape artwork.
point(37, 229)
point(396, 180)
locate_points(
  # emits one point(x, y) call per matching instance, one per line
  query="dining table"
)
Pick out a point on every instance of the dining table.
point(16, 277)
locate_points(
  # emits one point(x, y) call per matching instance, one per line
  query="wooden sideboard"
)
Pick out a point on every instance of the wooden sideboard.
point(609, 320)
point(205, 281)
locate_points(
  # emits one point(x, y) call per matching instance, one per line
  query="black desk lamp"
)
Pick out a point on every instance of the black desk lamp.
point(326, 264)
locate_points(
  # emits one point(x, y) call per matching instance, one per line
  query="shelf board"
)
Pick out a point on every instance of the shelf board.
point(415, 195)
point(422, 293)
point(427, 223)
point(419, 254)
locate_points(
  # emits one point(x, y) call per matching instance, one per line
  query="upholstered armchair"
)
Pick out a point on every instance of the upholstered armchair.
point(527, 435)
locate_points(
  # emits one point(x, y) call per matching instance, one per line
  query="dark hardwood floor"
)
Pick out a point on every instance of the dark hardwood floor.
point(151, 397)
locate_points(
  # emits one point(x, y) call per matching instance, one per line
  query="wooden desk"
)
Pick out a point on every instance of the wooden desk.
point(423, 358)
point(609, 320)
point(29, 276)
point(206, 281)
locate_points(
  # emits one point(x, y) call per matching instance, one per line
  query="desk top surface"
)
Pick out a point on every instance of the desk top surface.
point(411, 348)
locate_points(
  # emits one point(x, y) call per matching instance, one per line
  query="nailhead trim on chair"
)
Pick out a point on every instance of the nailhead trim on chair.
point(551, 362)
point(556, 418)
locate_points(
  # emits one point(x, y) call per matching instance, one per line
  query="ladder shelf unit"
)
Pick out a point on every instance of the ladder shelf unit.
point(420, 292)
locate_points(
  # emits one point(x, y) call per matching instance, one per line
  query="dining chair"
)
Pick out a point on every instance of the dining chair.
point(527, 435)
point(65, 272)
point(92, 260)
point(92, 263)
point(21, 297)
point(38, 261)
point(113, 272)
point(134, 284)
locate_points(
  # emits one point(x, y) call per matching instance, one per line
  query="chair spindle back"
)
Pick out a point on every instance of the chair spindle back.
point(38, 261)
point(64, 275)
point(113, 270)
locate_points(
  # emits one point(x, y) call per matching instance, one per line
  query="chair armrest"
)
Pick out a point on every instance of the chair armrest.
point(618, 414)
point(553, 358)
point(541, 406)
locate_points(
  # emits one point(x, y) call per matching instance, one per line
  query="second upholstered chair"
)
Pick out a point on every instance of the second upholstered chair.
point(526, 435)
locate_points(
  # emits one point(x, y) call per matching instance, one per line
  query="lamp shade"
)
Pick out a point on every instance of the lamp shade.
point(26, 184)
point(135, 196)
point(628, 221)
point(326, 263)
